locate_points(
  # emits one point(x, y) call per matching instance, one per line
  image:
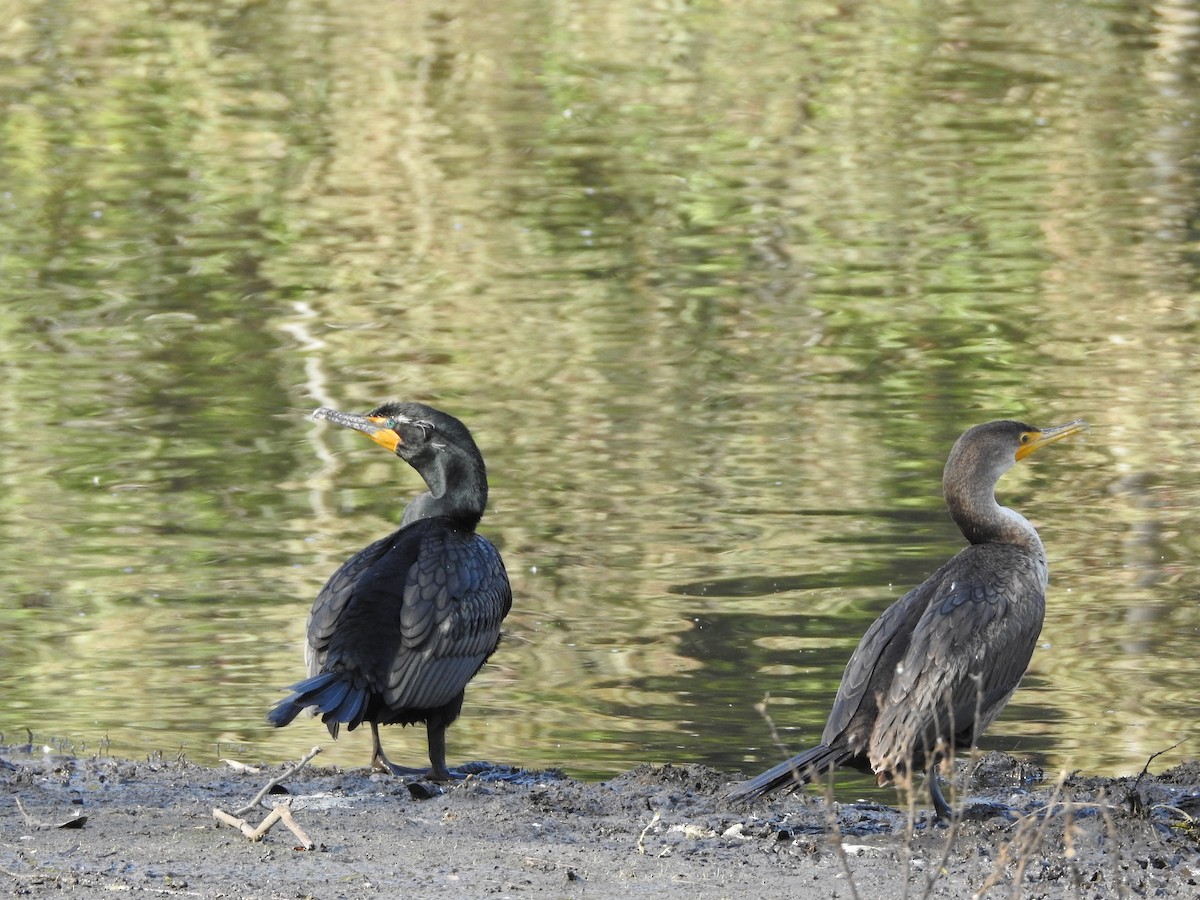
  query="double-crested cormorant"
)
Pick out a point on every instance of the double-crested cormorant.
point(940, 664)
point(400, 628)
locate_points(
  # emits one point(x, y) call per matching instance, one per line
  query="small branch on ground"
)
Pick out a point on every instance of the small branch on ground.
point(280, 812)
point(641, 841)
point(1134, 799)
point(73, 822)
point(275, 782)
point(240, 766)
point(1153, 756)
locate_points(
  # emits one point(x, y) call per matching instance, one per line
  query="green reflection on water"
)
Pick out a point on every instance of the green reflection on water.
point(715, 286)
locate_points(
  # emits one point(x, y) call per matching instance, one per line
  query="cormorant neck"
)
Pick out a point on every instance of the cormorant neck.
point(457, 490)
point(972, 504)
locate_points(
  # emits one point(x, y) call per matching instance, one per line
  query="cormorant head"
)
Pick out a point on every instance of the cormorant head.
point(995, 446)
point(434, 443)
point(980, 456)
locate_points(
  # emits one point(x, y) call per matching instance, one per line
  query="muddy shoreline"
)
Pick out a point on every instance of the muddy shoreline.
point(666, 831)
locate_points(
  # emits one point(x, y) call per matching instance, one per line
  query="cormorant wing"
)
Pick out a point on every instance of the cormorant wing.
point(340, 601)
point(414, 615)
point(967, 653)
point(457, 594)
point(869, 670)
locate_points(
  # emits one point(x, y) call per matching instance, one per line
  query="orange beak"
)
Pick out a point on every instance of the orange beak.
point(374, 427)
point(1045, 437)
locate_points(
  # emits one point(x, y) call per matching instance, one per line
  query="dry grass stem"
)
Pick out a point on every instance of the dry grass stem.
point(833, 828)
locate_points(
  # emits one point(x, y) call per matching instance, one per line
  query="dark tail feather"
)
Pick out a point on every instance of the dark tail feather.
point(808, 766)
point(335, 698)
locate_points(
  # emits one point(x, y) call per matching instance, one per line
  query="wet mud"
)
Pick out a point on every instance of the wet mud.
point(91, 827)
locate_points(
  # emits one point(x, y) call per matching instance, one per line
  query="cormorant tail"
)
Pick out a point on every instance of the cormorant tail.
point(801, 769)
point(336, 699)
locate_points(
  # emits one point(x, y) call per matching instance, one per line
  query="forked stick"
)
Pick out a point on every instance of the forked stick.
point(280, 812)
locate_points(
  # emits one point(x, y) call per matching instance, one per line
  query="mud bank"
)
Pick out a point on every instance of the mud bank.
point(148, 829)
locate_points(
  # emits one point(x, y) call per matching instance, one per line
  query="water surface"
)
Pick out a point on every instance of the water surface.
point(715, 287)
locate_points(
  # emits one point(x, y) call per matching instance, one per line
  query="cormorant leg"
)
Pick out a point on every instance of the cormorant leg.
point(437, 752)
point(380, 762)
point(941, 809)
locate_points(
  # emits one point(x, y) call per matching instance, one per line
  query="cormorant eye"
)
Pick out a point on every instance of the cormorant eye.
point(1026, 438)
point(391, 423)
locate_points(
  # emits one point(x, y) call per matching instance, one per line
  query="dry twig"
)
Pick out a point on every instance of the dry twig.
point(73, 822)
point(1134, 799)
point(280, 812)
point(275, 782)
point(641, 841)
point(240, 766)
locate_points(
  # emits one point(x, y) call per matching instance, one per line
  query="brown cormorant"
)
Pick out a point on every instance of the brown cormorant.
point(401, 627)
point(941, 662)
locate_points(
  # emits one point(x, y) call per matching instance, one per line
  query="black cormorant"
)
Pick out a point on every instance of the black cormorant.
point(401, 627)
point(941, 662)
